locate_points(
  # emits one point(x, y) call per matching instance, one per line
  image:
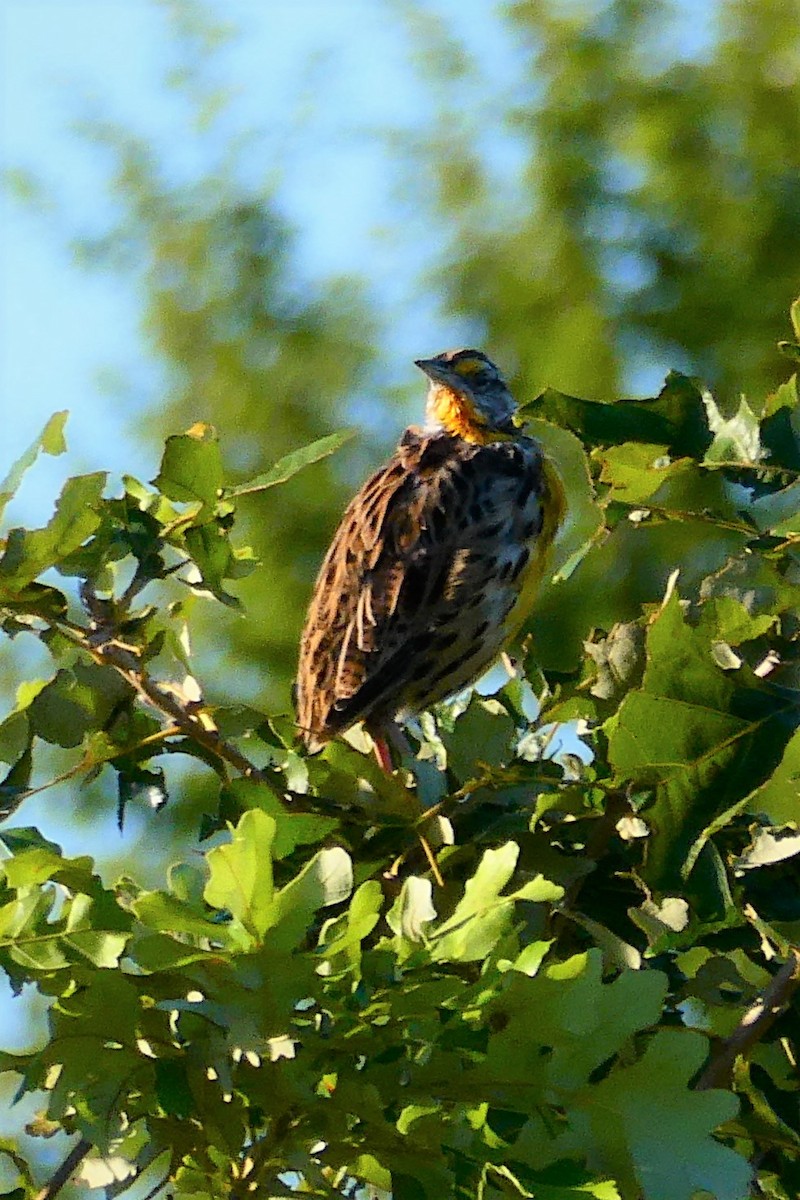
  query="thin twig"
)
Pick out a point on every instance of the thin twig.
point(87, 762)
point(753, 1025)
point(127, 665)
point(64, 1173)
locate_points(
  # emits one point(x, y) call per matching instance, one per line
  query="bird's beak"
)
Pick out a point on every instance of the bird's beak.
point(434, 369)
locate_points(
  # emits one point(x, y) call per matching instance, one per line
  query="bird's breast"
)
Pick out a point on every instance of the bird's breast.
point(534, 532)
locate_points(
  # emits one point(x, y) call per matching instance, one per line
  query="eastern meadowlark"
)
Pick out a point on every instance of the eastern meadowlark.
point(435, 563)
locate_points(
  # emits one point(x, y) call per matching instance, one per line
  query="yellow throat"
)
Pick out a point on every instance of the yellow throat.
point(458, 416)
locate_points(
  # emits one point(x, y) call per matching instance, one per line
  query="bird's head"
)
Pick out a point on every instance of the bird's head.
point(468, 397)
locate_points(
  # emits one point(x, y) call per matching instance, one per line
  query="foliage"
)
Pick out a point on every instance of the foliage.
point(576, 1012)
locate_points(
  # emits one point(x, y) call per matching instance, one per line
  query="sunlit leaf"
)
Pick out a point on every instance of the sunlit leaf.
point(191, 466)
point(241, 873)
point(639, 1114)
point(293, 462)
point(29, 553)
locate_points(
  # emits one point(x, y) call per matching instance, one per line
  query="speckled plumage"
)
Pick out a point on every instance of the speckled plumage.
point(429, 574)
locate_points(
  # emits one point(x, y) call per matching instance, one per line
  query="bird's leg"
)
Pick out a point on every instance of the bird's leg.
point(386, 739)
point(382, 753)
point(390, 737)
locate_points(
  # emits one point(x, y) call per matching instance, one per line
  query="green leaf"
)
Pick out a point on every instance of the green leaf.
point(484, 727)
point(794, 314)
point(15, 784)
point(483, 915)
point(345, 934)
point(784, 396)
point(41, 863)
point(37, 600)
point(675, 418)
point(75, 702)
point(727, 619)
point(621, 573)
point(102, 949)
point(29, 553)
point(778, 799)
point(165, 913)
point(502, 1180)
point(191, 467)
point(173, 1091)
point(327, 879)
point(645, 476)
point(412, 910)
point(50, 440)
point(241, 873)
point(680, 734)
point(293, 829)
point(654, 1134)
point(211, 552)
point(293, 462)
point(778, 512)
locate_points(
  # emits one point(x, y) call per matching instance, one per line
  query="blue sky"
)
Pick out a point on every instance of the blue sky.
point(321, 82)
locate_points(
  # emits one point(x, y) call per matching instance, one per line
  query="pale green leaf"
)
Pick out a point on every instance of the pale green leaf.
point(655, 1134)
point(50, 440)
point(737, 439)
point(293, 462)
point(241, 873)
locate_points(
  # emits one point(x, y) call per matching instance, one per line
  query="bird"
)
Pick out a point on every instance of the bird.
point(435, 564)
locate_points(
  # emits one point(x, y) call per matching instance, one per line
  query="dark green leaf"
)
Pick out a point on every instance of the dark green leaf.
point(210, 550)
point(15, 784)
point(76, 702)
point(675, 418)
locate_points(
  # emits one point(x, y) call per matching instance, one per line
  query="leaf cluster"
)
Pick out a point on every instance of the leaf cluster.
point(601, 999)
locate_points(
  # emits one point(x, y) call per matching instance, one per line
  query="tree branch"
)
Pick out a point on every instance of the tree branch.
point(63, 1174)
point(753, 1025)
point(125, 661)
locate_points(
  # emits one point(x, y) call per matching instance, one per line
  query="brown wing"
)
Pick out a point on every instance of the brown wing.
point(403, 563)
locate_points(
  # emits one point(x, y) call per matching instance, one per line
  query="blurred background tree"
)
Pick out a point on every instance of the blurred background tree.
point(646, 210)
